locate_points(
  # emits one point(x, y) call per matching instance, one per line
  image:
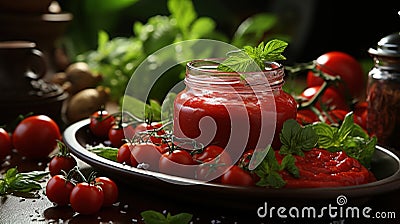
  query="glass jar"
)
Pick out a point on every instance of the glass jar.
point(241, 111)
point(383, 92)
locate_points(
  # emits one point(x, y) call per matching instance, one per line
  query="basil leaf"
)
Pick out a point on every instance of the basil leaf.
point(275, 180)
point(347, 127)
point(296, 139)
point(325, 134)
point(153, 217)
point(181, 218)
point(288, 163)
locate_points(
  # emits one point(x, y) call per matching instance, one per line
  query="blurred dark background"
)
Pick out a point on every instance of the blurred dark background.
point(314, 26)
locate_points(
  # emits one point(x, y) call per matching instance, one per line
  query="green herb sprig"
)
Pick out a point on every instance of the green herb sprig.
point(15, 182)
point(295, 139)
point(349, 137)
point(253, 58)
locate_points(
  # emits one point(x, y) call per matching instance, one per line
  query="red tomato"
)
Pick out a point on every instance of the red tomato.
point(335, 116)
point(175, 162)
point(62, 161)
point(58, 190)
point(330, 99)
point(101, 122)
point(155, 137)
point(118, 133)
point(36, 136)
point(306, 116)
point(86, 198)
point(124, 153)
point(208, 152)
point(5, 144)
point(237, 176)
point(58, 163)
point(341, 64)
point(110, 190)
point(213, 167)
point(147, 153)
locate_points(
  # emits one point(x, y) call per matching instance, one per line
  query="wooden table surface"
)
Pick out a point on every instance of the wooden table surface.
point(132, 201)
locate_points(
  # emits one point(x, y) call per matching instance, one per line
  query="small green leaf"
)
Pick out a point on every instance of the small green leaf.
point(153, 217)
point(103, 151)
point(275, 180)
point(325, 134)
point(181, 218)
point(253, 58)
point(289, 163)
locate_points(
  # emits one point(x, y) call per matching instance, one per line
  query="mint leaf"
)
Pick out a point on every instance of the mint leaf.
point(273, 50)
point(268, 171)
point(253, 58)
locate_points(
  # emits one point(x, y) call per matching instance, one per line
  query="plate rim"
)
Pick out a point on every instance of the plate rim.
point(390, 183)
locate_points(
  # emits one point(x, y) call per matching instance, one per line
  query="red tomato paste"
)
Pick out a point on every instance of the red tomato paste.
point(223, 97)
point(321, 168)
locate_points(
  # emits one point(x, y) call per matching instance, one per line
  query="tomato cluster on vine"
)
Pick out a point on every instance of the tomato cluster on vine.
point(84, 195)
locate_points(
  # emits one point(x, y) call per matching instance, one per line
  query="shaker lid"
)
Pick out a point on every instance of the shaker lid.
point(388, 46)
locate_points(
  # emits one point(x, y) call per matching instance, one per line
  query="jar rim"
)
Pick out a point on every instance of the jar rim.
point(214, 62)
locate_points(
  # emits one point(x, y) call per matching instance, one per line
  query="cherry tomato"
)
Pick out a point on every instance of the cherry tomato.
point(173, 162)
point(213, 167)
point(61, 161)
point(306, 116)
point(58, 163)
point(237, 176)
point(101, 122)
point(110, 190)
point(147, 153)
point(155, 137)
point(210, 151)
point(5, 144)
point(330, 99)
point(119, 132)
point(58, 190)
point(341, 64)
point(36, 136)
point(124, 153)
point(86, 198)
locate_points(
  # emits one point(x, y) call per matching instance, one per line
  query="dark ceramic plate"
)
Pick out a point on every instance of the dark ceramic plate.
point(385, 166)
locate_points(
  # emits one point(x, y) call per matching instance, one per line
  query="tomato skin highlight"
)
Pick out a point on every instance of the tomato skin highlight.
point(344, 65)
point(86, 198)
point(5, 144)
point(110, 190)
point(58, 190)
point(177, 163)
point(36, 136)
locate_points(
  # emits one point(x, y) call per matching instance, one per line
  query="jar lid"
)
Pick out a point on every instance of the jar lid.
point(388, 46)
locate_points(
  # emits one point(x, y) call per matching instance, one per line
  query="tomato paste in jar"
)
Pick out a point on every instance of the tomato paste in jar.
point(321, 168)
point(223, 108)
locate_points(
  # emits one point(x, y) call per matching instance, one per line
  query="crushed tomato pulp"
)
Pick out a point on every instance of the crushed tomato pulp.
point(321, 168)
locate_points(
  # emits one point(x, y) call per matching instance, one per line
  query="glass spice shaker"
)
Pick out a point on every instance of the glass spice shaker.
point(383, 92)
